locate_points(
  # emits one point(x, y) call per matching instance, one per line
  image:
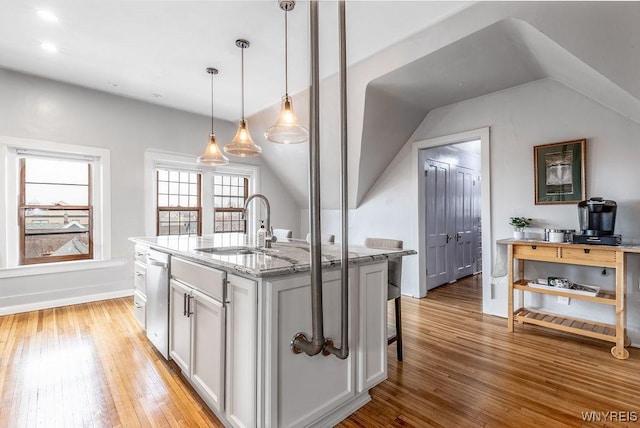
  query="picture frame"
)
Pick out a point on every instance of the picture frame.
point(559, 170)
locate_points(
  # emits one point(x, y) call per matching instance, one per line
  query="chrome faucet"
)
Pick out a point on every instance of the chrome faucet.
point(264, 199)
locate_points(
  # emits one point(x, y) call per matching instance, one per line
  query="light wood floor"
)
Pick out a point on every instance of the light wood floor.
point(90, 366)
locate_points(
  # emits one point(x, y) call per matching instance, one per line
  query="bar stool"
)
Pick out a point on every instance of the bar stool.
point(393, 285)
point(283, 233)
point(325, 238)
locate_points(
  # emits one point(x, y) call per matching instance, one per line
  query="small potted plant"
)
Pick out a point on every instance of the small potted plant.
point(519, 224)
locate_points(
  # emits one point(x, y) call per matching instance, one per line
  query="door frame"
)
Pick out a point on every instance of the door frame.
point(489, 305)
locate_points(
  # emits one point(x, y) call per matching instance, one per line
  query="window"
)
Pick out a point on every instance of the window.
point(56, 207)
point(229, 195)
point(179, 203)
point(55, 211)
point(215, 215)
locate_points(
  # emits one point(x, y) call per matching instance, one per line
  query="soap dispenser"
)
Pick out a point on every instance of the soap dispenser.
point(261, 235)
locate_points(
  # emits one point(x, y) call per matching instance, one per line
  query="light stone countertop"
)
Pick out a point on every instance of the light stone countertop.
point(285, 256)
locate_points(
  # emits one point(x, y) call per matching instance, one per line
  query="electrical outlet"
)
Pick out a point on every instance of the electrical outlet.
point(563, 300)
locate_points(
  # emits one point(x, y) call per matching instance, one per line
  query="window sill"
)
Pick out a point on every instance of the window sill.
point(60, 267)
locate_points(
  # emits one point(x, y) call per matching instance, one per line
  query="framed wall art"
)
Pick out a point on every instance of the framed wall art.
point(560, 172)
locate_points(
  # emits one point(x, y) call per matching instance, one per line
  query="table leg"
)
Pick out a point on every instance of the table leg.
point(510, 288)
point(618, 351)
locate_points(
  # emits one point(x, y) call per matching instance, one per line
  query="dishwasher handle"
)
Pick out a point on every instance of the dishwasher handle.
point(154, 262)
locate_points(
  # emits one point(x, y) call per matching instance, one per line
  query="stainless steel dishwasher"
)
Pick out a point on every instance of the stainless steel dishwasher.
point(158, 300)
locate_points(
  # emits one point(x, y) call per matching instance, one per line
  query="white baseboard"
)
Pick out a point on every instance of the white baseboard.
point(60, 267)
point(65, 302)
point(343, 412)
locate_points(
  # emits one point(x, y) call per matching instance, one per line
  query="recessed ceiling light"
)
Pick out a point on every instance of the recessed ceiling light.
point(49, 47)
point(47, 15)
point(156, 95)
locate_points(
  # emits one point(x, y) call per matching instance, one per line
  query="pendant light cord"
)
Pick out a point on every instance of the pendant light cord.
point(286, 55)
point(242, 81)
point(212, 103)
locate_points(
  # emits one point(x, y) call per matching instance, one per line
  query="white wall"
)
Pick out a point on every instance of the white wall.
point(35, 108)
point(536, 113)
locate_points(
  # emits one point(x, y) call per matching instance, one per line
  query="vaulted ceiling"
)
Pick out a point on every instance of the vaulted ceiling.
point(503, 55)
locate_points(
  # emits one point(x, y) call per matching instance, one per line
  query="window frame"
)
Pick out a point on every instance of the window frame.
point(11, 149)
point(245, 179)
point(23, 207)
point(159, 208)
point(155, 158)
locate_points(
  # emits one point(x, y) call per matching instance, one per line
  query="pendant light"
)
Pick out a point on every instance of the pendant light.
point(212, 154)
point(242, 144)
point(286, 130)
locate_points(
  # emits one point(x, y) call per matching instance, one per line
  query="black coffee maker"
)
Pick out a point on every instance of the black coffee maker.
point(597, 218)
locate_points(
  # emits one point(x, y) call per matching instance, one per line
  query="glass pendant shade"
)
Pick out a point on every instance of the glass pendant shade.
point(242, 144)
point(212, 154)
point(287, 130)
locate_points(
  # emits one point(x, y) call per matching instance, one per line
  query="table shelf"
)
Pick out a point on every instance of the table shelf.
point(574, 254)
point(604, 297)
point(582, 327)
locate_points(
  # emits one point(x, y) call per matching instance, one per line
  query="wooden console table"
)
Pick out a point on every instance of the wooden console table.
point(576, 254)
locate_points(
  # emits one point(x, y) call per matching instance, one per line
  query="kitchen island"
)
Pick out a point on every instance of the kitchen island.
point(234, 309)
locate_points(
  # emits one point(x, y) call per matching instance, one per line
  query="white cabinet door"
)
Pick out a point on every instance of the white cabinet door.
point(372, 349)
point(242, 324)
point(139, 278)
point(300, 389)
point(139, 285)
point(208, 349)
point(179, 326)
point(139, 308)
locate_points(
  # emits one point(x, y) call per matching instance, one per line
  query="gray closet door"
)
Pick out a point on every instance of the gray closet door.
point(437, 214)
point(463, 197)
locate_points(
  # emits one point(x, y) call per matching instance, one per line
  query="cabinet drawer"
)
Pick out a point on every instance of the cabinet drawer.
point(589, 256)
point(139, 273)
point(208, 280)
point(140, 309)
point(535, 252)
point(140, 253)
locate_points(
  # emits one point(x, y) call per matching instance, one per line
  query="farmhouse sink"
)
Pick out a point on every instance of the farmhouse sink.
point(229, 251)
point(234, 251)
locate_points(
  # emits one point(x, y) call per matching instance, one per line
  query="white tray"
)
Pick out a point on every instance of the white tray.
point(594, 289)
